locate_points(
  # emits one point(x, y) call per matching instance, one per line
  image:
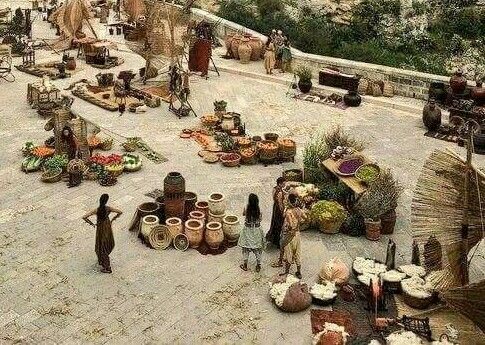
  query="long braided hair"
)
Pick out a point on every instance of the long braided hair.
point(102, 212)
point(253, 212)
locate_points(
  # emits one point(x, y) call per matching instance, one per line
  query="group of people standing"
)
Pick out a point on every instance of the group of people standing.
point(278, 52)
point(284, 232)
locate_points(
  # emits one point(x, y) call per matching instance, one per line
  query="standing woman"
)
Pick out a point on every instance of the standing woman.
point(274, 233)
point(269, 56)
point(104, 234)
point(251, 238)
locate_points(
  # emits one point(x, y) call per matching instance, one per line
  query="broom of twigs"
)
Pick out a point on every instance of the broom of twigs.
point(438, 210)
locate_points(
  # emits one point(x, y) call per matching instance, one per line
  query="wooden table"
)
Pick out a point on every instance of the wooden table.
point(350, 181)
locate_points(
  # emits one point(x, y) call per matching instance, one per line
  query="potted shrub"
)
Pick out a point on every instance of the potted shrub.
point(369, 207)
point(389, 192)
point(328, 215)
point(304, 74)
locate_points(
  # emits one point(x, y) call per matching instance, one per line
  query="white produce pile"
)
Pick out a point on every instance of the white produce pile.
point(277, 291)
point(417, 287)
point(403, 338)
point(362, 265)
point(412, 270)
point(325, 291)
point(393, 276)
point(331, 327)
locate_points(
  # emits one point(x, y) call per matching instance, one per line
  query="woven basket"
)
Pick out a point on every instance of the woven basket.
point(286, 151)
point(106, 145)
point(51, 179)
point(418, 303)
point(248, 160)
point(267, 154)
point(230, 163)
point(329, 227)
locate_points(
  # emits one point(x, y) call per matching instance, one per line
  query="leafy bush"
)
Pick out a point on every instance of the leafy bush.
point(334, 191)
point(269, 7)
point(354, 225)
point(315, 152)
point(304, 73)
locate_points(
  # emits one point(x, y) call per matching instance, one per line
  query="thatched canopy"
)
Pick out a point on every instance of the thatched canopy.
point(134, 9)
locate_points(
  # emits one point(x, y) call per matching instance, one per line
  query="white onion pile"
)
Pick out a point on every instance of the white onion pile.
point(403, 338)
point(412, 270)
point(325, 291)
point(417, 287)
point(331, 327)
point(277, 291)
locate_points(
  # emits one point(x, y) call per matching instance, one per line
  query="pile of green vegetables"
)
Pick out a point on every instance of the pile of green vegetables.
point(225, 141)
point(131, 162)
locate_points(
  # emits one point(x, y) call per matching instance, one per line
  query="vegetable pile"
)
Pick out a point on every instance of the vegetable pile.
point(324, 211)
point(56, 162)
point(324, 291)
point(107, 160)
point(43, 151)
point(367, 173)
point(31, 163)
point(131, 162)
point(350, 166)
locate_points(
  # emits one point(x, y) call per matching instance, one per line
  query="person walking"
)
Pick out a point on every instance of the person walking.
point(104, 234)
point(290, 241)
point(251, 238)
point(269, 56)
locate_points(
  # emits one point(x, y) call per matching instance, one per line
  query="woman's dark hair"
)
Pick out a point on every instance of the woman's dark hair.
point(292, 199)
point(253, 213)
point(102, 212)
point(280, 180)
point(268, 41)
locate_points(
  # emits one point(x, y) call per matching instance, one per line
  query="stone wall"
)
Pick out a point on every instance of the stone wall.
point(406, 83)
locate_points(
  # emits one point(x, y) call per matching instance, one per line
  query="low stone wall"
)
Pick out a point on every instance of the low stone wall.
point(406, 83)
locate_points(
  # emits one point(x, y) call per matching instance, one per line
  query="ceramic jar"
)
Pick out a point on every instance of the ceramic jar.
point(174, 183)
point(458, 83)
point(217, 203)
point(202, 206)
point(372, 229)
point(174, 226)
point(432, 116)
point(244, 50)
point(231, 227)
point(214, 235)
point(147, 224)
point(256, 48)
point(70, 63)
point(352, 99)
point(227, 122)
point(198, 215)
point(236, 40)
point(228, 42)
point(194, 230)
point(478, 94)
point(388, 222)
point(215, 217)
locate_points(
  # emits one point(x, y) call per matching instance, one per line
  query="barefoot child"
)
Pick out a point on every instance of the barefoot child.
point(251, 238)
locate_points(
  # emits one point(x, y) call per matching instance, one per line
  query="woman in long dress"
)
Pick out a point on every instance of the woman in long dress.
point(251, 239)
point(104, 234)
point(269, 56)
point(274, 233)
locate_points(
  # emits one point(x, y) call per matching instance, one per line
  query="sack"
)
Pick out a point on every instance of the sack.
point(297, 298)
point(335, 271)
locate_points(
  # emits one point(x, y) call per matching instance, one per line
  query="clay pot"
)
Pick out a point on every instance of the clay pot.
point(215, 217)
point(190, 200)
point(174, 206)
point(372, 229)
point(256, 48)
point(202, 206)
point(214, 235)
point(432, 116)
point(231, 228)
point(174, 226)
point(388, 222)
point(228, 42)
point(70, 63)
point(148, 208)
point(236, 40)
point(174, 183)
point(194, 230)
point(458, 82)
point(217, 203)
point(244, 49)
point(305, 86)
point(227, 123)
point(352, 99)
point(478, 94)
point(147, 224)
point(199, 216)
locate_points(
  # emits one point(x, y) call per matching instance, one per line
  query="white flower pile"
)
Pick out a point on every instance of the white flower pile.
point(324, 291)
point(277, 291)
point(362, 265)
point(331, 327)
point(403, 338)
point(412, 270)
point(393, 276)
point(417, 287)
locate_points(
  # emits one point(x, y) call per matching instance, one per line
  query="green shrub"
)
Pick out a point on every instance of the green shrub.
point(353, 225)
point(334, 191)
point(269, 7)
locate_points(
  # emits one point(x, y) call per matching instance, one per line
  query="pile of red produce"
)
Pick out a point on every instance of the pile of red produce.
point(230, 157)
point(107, 160)
point(350, 166)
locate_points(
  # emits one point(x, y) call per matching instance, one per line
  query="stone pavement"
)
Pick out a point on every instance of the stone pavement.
point(50, 287)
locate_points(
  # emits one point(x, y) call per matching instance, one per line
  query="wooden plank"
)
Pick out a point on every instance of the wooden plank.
point(354, 184)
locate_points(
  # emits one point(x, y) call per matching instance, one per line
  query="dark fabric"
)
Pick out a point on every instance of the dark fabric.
point(104, 242)
point(274, 233)
point(199, 56)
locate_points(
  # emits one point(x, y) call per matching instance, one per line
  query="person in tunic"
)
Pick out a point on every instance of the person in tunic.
point(286, 57)
point(251, 238)
point(104, 234)
point(290, 240)
point(269, 56)
point(274, 233)
point(278, 44)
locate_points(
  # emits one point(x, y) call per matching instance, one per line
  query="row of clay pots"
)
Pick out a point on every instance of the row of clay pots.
point(244, 47)
point(214, 232)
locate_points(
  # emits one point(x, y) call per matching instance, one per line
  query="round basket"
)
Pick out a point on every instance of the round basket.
point(271, 136)
point(137, 168)
point(51, 178)
point(323, 303)
point(330, 227)
point(418, 303)
point(115, 173)
point(106, 145)
point(230, 162)
point(90, 175)
point(286, 148)
point(367, 180)
point(160, 237)
point(181, 242)
point(249, 160)
point(129, 147)
point(109, 184)
point(267, 150)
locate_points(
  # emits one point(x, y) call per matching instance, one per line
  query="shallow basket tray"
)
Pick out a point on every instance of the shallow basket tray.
point(51, 179)
point(230, 163)
point(132, 169)
point(418, 303)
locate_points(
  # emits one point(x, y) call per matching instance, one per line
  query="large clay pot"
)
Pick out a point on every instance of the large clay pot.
point(202, 206)
point(194, 230)
point(236, 40)
point(228, 42)
point(244, 50)
point(388, 222)
point(174, 183)
point(372, 229)
point(352, 99)
point(227, 123)
point(217, 203)
point(432, 116)
point(198, 215)
point(458, 82)
point(214, 235)
point(174, 226)
point(215, 217)
point(190, 200)
point(174, 207)
point(231, 227)
point(148, 208)
point(478, 94)
point(437, 91)
point(305, 86)
point(70, 63)
point(147, 224)
point(256, 48)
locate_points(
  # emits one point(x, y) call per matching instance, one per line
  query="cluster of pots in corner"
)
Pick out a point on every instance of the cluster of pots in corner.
point(384, 225)
point(245, 48)
point(458, 83)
